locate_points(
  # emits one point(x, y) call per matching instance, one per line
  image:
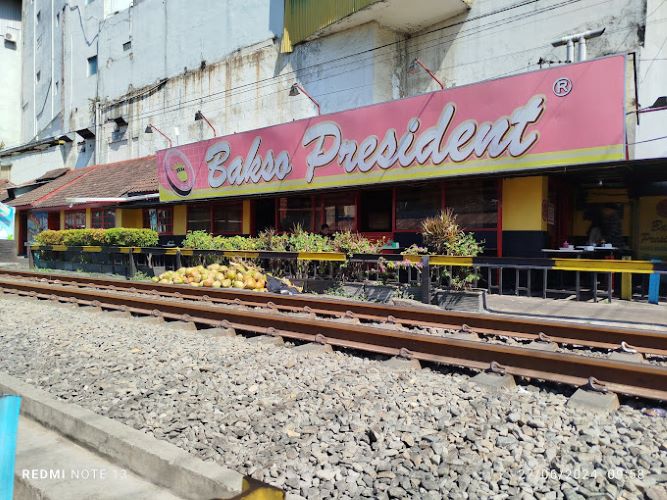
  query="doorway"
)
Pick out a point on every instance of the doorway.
point(265, 214)
point(376, 212)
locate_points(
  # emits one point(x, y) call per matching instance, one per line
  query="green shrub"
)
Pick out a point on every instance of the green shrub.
point(239, 243)
point(199, 240)
point(49, 237)
point(83, 237)
point(351, 243)
point(129, 237)
point(121, 237)
point(303, 241)
point(443, 235)
point(271, 241)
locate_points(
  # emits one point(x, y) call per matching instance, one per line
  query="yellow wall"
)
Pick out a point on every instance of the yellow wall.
point(129, 217)
point(89, 218)
point(522, 203)
point(652, 242)
point(62, 219)
point(180, 219)
point(247, 207)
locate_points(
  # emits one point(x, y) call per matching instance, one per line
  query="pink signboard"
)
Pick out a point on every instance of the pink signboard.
point(568, 115)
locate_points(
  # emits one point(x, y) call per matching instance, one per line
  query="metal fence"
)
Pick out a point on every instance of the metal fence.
point(418, 275)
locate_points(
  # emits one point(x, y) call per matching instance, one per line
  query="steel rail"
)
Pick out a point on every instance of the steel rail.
point(634, 379)
point(644, 341)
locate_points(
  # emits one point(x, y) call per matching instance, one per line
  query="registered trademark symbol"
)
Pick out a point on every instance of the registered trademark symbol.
point(562, 87)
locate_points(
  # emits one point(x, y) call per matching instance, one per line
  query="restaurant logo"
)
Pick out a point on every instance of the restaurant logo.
point(179, 172)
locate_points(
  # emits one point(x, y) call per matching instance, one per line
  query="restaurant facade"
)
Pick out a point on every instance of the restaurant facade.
point(527, 163)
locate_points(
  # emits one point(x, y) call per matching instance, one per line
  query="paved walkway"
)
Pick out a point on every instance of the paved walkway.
point(618, 313)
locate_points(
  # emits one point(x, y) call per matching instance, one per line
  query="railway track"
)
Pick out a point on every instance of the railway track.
point(634, 379)
point(565, 333)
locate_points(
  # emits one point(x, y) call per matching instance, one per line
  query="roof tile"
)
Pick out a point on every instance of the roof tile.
point(111, 180)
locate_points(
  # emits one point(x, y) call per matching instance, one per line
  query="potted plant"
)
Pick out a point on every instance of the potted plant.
point(442, 235)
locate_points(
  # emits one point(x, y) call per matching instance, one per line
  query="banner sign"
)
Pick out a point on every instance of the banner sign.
point(37, 222)
point(6, 222)
point(568, 115)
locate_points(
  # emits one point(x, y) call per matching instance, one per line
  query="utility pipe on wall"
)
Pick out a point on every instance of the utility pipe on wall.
point(580, 39)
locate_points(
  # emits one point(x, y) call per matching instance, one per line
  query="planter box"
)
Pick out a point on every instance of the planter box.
point(461, 300)
point(373, 293)
point(104, 268)
point(317, 285)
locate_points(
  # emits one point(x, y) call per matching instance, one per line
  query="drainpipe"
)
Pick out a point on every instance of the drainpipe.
point(97, 131)
point(581, 49)
point(570, 51)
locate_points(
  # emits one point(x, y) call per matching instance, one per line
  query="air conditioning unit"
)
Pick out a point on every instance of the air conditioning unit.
point(9, 37)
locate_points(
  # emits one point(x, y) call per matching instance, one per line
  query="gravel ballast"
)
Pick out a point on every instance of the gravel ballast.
point(332, 425)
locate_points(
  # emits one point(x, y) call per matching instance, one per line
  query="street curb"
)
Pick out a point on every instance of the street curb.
point(161, 463)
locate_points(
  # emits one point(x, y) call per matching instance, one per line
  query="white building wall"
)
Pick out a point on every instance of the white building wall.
point(651, 137)
point(159, 62)
point(10, 71)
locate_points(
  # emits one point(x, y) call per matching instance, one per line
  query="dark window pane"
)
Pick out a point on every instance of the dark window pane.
point(475, 202)
point(199, 218)
point(416, 203)
point(295, 211)
point(228, 218)
point(375, 211)
point(340, 211)
point(103, 218)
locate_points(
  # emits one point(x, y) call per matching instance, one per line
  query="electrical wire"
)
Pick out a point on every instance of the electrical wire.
point(457, 36)
point(179, 107)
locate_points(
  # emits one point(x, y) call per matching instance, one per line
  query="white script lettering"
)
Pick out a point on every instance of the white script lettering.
point(250, 169)
point(507, 134)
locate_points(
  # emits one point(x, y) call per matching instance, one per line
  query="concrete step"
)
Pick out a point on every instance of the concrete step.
point(141, 455)
point(50, 467)
point(8, 251)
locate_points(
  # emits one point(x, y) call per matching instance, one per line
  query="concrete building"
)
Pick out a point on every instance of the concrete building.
point(110, 80)
point(10, 62)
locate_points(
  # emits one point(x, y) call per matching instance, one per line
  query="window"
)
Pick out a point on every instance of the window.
point(38, 76)
point(55, 92)
point(92, 66)
point(57, 18)
point(228, 218)
point(103, 218)
point(339, 211)
point(39, 16)
point(159, 219)
point(375, 211)
point(54, 220)
point(296, 210)
point(127, 46)
point(75, 219)
point(475, 202)
point(199, 218)
point(416, 203)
